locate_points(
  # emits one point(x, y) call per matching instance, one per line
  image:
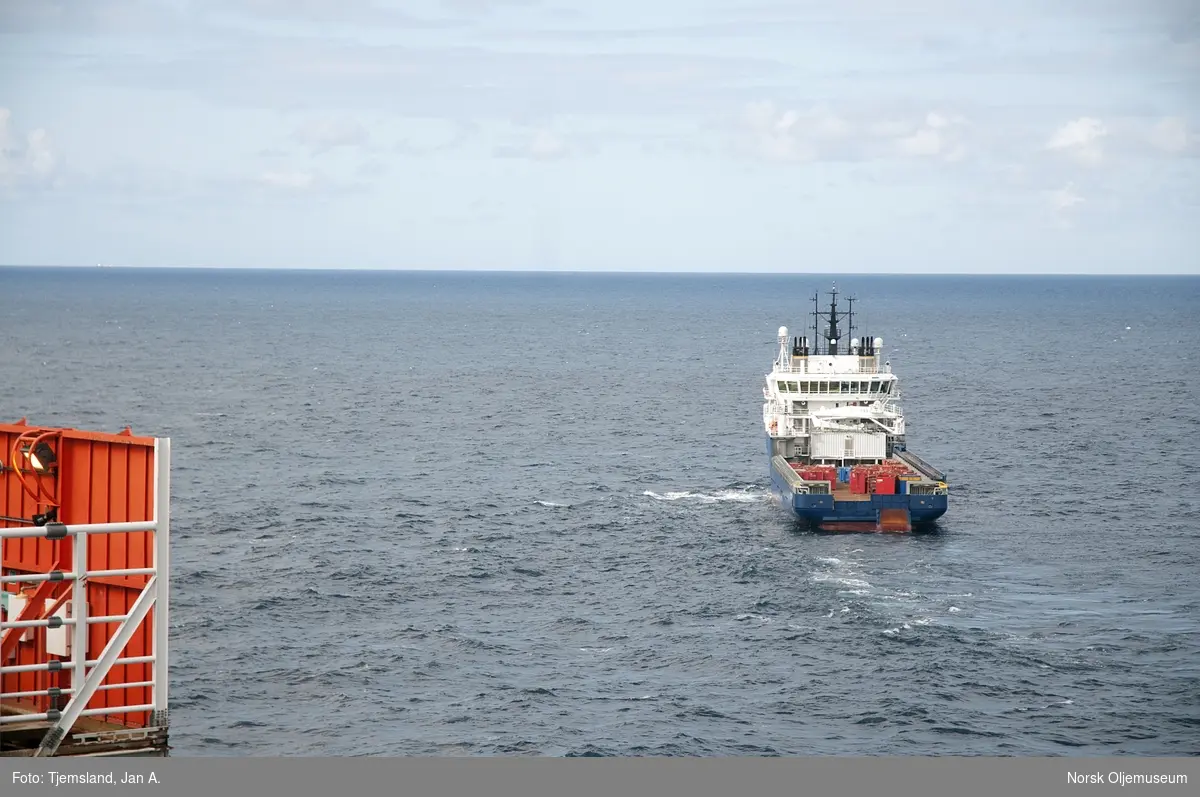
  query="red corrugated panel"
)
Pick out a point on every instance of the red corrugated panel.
point(102, 478)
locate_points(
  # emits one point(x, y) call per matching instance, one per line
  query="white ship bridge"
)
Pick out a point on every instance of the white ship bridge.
point(832, 402)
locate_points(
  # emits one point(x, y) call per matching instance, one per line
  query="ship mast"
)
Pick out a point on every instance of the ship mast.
point(831, 319)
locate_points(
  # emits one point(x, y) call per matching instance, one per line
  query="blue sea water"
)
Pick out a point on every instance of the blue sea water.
point(496, 514)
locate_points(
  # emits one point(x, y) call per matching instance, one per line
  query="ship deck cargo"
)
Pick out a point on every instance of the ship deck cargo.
point(84, 620)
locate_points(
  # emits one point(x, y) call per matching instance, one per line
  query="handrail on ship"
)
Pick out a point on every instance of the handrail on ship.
point(794, 479)
point(921, 465)
point(803, 368)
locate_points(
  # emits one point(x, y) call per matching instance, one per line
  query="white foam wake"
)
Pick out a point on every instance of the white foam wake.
point(737, 496)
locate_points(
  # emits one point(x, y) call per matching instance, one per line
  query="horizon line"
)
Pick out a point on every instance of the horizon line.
point(599, 272)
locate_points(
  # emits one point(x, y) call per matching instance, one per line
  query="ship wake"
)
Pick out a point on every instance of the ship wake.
point(744, 496)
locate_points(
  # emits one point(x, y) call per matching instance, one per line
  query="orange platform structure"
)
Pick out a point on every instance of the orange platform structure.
point(85, 529)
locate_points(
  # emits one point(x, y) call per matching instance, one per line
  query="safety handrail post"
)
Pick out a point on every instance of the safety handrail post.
point(160, 633)
point(79, 611)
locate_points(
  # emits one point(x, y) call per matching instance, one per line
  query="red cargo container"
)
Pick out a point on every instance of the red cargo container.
point(885, 485)
point(56, 484)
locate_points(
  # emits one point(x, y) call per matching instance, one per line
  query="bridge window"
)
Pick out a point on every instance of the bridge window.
point(792, 387)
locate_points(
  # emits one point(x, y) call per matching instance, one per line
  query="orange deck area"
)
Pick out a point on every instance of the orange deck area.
point(842, 492)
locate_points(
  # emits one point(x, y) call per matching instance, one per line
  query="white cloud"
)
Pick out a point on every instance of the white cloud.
point(290, 180)
point(328, 12)
point(1063, 202)
point(1090, 141)
point(484, 6)
point(1171, 135)
point(28, 162)
point(926, 141)
point(542, 144)
point(460, 82)
point(313, 182)
point(824, 135)
point(940, 136)
point(38, 153)
point(1081, 139)
point(789, 135)
point(322, 135)
point(546, 145)
point(1065, 198)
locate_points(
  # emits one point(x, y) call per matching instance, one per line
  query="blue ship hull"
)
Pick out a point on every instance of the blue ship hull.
point(824, 511)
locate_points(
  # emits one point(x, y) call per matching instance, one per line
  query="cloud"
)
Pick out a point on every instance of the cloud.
point(821, 134)
point(25, 161)
point(544, 145)
point(461, 82)
point(308, 182)
point(789, 135)
point(323, 135)
point(288, 180)
point(460, 133)
point(939, 136)
point(198, 19)
point(1064, 203)
point(68, 16)
point(744, 29)
point(485, 6)
point(1171, 135)
point(1065, 198)
point(372, 13)
point(1117, 141)
point(371, 169)
point(1081, 139)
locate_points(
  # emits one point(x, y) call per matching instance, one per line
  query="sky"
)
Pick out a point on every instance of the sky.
point(877, 136)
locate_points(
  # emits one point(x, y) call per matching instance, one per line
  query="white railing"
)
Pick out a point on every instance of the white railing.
point(88, 675)
point(866, 366)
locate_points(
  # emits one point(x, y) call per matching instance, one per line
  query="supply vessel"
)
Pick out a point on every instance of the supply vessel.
point(836, 433)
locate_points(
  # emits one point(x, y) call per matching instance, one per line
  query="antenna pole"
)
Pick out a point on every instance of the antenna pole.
point(850, 319)
point(816, 328)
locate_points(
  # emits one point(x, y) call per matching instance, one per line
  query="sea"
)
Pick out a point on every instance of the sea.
point(527, 514)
